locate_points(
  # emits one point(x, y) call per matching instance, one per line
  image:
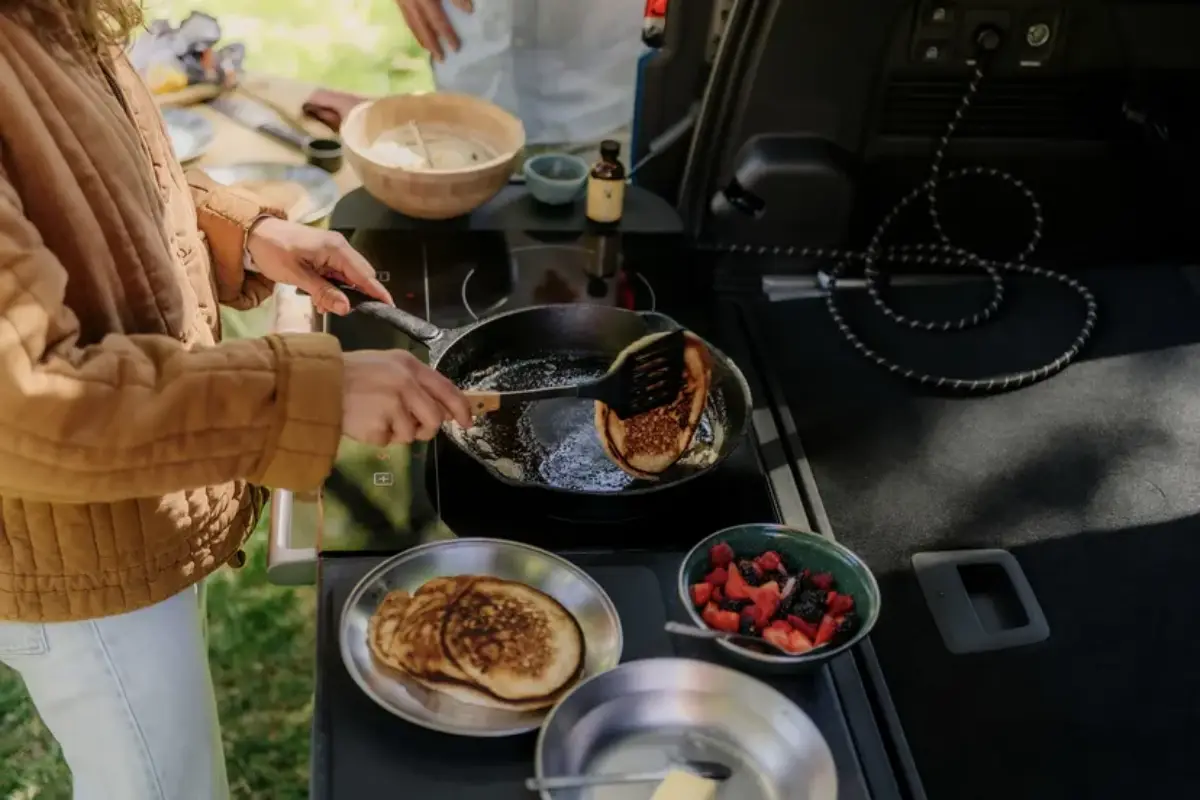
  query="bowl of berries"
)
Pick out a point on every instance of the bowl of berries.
point(804, 595)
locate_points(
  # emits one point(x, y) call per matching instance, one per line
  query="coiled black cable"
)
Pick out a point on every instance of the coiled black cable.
point(945, 254)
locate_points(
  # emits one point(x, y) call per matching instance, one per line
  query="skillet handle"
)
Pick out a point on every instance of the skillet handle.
point(424, 332)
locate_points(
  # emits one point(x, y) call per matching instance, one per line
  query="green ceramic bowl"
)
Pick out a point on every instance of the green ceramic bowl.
point(809, 550)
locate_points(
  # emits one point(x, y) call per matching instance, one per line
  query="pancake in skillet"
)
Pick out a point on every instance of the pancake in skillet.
point(647, 445)
point(514, 643)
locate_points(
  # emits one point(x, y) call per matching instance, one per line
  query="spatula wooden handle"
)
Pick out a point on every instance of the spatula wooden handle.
point(483, 402)
point(487, 402)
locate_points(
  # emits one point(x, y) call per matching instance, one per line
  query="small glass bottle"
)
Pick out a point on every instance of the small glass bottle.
point(606, 186)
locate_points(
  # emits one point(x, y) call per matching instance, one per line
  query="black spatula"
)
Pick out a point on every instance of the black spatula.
point(647, 378)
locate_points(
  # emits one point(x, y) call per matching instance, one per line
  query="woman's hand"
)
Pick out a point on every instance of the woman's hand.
point(314, 260)
point(391, 397)
point(428, 22)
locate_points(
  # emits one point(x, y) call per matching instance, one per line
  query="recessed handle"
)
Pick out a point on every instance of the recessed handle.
point(980, 600)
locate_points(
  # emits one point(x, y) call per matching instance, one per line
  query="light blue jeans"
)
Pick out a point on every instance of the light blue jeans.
point(129, 699)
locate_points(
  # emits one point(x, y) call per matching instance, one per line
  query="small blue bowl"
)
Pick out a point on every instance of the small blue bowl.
point(555, 179)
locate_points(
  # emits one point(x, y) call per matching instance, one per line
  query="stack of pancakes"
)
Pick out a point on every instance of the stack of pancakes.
point(481, 640)
point(645, 446)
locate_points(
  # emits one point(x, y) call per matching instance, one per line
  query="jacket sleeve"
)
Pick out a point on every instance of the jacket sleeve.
point(225, 216)
point(141, 415)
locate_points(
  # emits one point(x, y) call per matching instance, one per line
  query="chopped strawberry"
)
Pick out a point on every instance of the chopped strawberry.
point(769, 561)
point(837, 604)
point(701, 593)
point(727, 621)
point(766, 604)
point(822, 580)
point(825, 630)
point(779, 637)
point(769, 594)
point(709, 613)
point(798, 642)
point(720, 555)
point(717, 594)
point(717, 577)
point(809, 629)
point(736, 587)
point(780, 634)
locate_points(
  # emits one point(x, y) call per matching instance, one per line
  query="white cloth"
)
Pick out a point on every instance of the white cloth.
point(129, 699)
point(567, 68)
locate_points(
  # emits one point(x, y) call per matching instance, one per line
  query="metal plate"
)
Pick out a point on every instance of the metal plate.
point(651, 715)
point(322, 191)
point(562, 580)
point(190, 133)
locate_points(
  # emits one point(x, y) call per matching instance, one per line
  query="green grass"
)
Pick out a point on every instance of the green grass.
point(261, 637)
point(261, 644)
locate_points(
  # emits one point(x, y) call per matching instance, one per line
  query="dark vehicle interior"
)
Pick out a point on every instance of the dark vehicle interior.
point(1080, 132)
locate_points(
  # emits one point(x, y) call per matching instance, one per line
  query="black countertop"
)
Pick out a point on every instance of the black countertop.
point(360, 750)
point(634, 554)
point(512, 209)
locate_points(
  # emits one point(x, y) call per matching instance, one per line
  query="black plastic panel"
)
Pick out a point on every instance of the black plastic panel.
point(762, 197)
point(1093, 112)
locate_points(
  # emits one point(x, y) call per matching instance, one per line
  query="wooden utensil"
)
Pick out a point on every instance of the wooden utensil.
point(416, 129)
point(646, 379)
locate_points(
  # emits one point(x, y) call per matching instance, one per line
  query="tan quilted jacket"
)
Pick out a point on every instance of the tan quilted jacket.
point(130, 442)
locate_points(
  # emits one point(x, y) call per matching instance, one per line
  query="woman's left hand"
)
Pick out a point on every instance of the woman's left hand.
point(314, 260)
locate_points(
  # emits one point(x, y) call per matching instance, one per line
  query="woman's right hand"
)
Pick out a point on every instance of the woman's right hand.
point(428, 21)
point(391, 397)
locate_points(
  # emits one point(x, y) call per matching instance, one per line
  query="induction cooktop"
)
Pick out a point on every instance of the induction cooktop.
point(389, 499)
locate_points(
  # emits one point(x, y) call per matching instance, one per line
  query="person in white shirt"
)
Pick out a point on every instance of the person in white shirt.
point(567, 68)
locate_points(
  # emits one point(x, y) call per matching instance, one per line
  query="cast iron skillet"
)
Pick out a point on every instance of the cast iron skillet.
point(553, 444)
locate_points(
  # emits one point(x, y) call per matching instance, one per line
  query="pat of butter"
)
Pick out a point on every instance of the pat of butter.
point(681, 785)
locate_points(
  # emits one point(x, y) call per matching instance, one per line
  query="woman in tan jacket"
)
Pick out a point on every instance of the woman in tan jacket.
point(131, 442)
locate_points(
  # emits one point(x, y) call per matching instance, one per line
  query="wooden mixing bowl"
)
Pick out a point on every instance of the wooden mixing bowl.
point(429, 194)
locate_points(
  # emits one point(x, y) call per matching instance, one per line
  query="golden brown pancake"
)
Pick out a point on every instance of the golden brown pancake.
point(514, 642)
point(415, 641)
point(520, 650)
point(647, 445)
point(385, 625)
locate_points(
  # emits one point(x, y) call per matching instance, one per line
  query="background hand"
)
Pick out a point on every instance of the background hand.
point(314, 260)
point(428, 22)
point(391, 397)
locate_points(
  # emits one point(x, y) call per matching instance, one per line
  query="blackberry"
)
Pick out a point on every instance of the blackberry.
point(846, 628)
point(746, 627)
point(729, 604)
point(750, 572)
point(809, 605)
